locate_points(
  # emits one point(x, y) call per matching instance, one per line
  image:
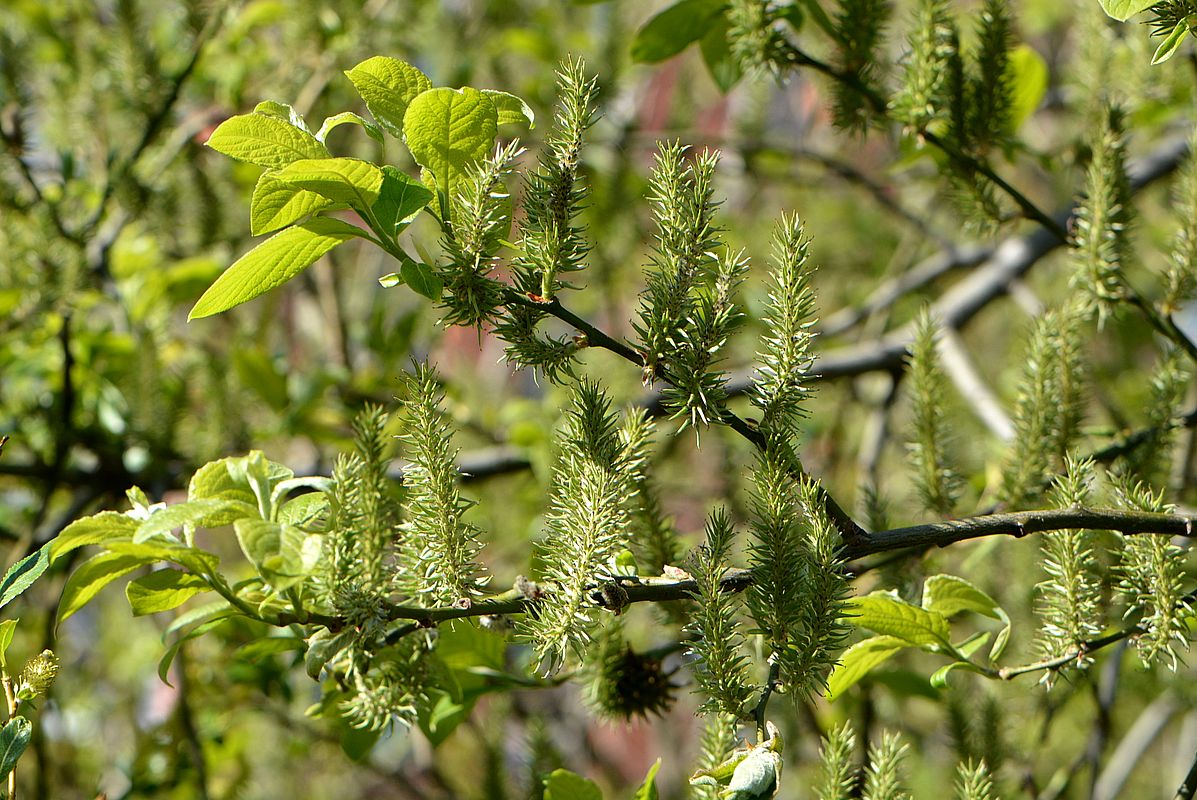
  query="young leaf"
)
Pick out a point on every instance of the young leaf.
point(7, 628)
point(264, 140)
point(276, 204)
point(1029, 81)
point(722, 64)
point(648, 789)
point(400, 199)
point(348, 118)
point(512, 110)
point(107, 526)
point(163, 590)
point(92, 576)
point(1123, 10)
point(189, 514)
point(859, 659)
point(192, 558)
point(22, 574)
point(388, 85)
point(447, 130)
point(885, 614)
point(14, 738)
point(283, 554)
point(272, 263)
point(351, 181)
point(674, 29)
point(562, 784)
point(1170, 45)
point(421, 279)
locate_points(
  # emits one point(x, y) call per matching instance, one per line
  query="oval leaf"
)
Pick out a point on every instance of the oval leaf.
point(1124, 9)
point(859, 659)
point(276, 204)
point(107, 526)
point(1169, 46)
point(348, 118)
point(512, 110)
point(674, 29)
point(272, 263)
point(163, 590)
point(387, 86)
point(342, 180)
point(421, 279)
point(21, 575)
point(400, 199)
point(884, 613)
point(14, 738)
point(265, 140)
point(188, 514)
point(92, 576)
point(447, 130)
point(562, 784)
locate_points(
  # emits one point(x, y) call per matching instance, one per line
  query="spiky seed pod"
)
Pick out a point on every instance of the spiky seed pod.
point(623, 683)
point(783, 378)
point(1150, 461)
point(38, 675)
point(991, 90)
point(1181, 274)
point(481, 213)
point(552, 240)
point(934, 41)
point(721, 667)
point(593, 482)
point(837, 773)
point(441, 547)
point(1050, 405)
point(860, 31)
point(1069, 606)
point(1101, 246)
point(1151, 582)
point(882, 778)
point(687, 240)
point(973, 782)
point(361, 532)
point(937, 483)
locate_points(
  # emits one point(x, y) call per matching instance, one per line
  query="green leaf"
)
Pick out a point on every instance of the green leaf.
point(1029, 77)
point(163, 590)
point(722, 65)
point(512, 110)
point(21, 575)
point(207, 612)
point(387, 86)
point(264, 140)
point(348, 118)
point(276, 204)
point(441, 716)
point(304, 509)
point(859, 659)
point(192, 558)
point(1170, 45)
point(92, 576)
point(447, 130)
point(342, 180)
point(884, 613)
point(562, 784)
point(285, 487)
point(400, 199)
point(14, 738)
point(940, 678)
point(949, 595)
point(169, 656)
point(648, 789)
point(674, 29)
point(322, 646)
point(259, 649)
point(421, 279)
point(283, 554)
point(283, 111)
point(188, 514)
point(272, 263)
point(1122, 10)
point(99, 528)
point(7, 628)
